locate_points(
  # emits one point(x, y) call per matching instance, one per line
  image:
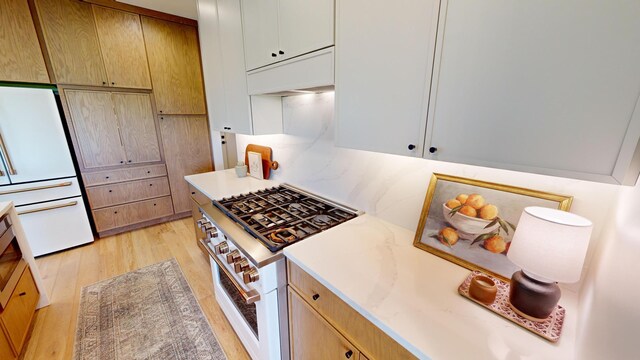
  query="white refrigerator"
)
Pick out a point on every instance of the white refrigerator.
point(37, 172)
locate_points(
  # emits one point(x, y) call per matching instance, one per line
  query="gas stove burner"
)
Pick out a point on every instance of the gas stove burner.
point(321, 220)
point(296, 207)
point(281, 236)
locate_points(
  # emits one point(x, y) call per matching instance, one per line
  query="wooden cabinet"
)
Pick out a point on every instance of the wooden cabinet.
point(518, 88)
point(312, 336)
point(136, 213)
point(115, 194)
point(72, 42)
point(276, 30)
point(138, 127)
point(122, 47)
point(187, 151)
point(121, 175)
point(383, 73)
point(113, 128)
point(17, 315)
point(96, 128)
point(21, 58)
point(174, 62)
point(353, 327)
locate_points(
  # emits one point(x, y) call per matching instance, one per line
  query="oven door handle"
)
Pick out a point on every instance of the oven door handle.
point(250, 296)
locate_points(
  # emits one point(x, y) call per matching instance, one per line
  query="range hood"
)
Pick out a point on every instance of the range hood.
point(309, 73)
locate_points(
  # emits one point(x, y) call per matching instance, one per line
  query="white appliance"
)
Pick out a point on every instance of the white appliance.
point(37, 172)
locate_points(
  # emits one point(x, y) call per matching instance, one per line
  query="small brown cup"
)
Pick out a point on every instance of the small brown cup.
point(483, 289)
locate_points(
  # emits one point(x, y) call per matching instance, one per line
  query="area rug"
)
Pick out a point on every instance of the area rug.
point(149, 313)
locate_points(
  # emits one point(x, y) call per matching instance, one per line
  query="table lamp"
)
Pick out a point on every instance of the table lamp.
point(549, 246)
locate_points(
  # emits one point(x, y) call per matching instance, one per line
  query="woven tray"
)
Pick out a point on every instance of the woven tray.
point(550, 329)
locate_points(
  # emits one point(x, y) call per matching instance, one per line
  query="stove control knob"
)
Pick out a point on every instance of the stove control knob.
point(213, 233)
point(241, 265)
point(201, 221)
point(250, 275)
point(233, 256)
point(206, 227)
point(222, 248)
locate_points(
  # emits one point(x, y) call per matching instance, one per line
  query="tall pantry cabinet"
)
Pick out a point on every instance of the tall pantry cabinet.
point(131, 86)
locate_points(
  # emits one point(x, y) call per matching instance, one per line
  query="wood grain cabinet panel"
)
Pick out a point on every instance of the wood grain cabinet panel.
point(122, 45)
point(313, 338)
point(116, 194)
point(120, 175)
point(128, 214)
point(72, 42)
point(17, 316)
point(21, 58)
point(174, 62)
point(361, 332)
point(187, 151)
point(137, 127)
point(96, 128)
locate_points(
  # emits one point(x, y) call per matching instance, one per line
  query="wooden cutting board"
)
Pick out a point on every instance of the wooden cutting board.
point(266, 152)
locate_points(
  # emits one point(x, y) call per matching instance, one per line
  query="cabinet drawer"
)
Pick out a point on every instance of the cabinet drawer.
point(361, 332)
point(120, 175)
point(198, 196)
point(116, 194)
point(18, 314)
point(133, 213)
point(30, 193)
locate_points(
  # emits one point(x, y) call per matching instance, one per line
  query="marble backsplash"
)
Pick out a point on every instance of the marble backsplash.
point(389, 186)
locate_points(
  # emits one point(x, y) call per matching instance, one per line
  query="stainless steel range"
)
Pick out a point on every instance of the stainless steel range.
point(245, 235)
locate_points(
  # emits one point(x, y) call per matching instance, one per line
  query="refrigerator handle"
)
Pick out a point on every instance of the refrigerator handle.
point(7, 158)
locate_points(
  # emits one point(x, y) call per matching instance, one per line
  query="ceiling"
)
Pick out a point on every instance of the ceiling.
point(184, 8)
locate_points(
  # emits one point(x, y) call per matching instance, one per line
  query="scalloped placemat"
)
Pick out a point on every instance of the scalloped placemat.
point(550, 329)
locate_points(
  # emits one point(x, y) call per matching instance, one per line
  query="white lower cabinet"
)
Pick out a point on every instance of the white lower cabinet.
point(384, 56)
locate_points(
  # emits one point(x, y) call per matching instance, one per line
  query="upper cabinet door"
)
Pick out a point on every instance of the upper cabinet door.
point(174, 61)
point(72, 42)
point(137, 127)
point(384, 57)
point(260, 25)
point(21, 58)
point(122, 46)
point(96, 128)
point(545, 86)
point(304, 26)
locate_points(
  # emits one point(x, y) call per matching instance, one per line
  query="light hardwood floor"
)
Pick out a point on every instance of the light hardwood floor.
point(67, 272)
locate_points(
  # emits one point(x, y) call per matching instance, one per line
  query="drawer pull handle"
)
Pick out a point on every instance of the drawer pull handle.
point(193, 193)
point(154, 204)
point(106, 177)
point(348, 354)
point(115, 212)
point(110, 190)
point(150, 184)
point(22, 294)
point(316, 297)
point(53, 207)
point(35, 188)
point(148, 171)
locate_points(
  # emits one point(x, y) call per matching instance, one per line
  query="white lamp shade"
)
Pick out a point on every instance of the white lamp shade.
point(550, 244)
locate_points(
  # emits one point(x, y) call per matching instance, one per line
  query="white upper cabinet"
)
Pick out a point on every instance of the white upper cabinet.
point(384, 57)
point(225, 76)
point(276, 30)
point(549, 87)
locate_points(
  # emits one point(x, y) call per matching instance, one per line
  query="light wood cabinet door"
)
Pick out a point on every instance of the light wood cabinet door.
point(21, 58)
point(312, 337)
point(137, 127)
point(187, 151)
point(96, 129)
point(122, 45)
point(174, 61)
point(72, 42)
point(18, 314)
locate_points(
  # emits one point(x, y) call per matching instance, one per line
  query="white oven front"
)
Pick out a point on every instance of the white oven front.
point(257, 324)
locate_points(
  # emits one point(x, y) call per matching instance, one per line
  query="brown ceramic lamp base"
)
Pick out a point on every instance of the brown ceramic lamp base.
point(532, 298)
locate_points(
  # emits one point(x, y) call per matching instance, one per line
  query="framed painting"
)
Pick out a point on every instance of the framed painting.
point(471, 222)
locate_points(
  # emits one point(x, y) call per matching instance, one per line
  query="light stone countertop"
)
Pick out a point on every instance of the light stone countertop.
point(219, 184)
point(410, 294)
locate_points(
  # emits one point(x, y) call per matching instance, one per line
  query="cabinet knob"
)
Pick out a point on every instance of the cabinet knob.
point(150, 184)
point(316, 296)
point(110, 190)
point(104, 83)
point(223, 142)
point(148, 171)
point(129, 160)
point(112, 83)
point(106, 177)
point(121, 161)
point(115, 212)
point(22, 293)
point(348, 354)
point(411, 147)
point(433, 149)
point(274, 54)
point(193, 193)
point(281, 52)
point(154, 204)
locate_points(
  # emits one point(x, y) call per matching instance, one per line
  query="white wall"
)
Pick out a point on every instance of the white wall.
point(389, 186)
point(610, 297)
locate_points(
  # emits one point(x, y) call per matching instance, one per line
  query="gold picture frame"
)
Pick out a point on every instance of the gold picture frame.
point(477, 238)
